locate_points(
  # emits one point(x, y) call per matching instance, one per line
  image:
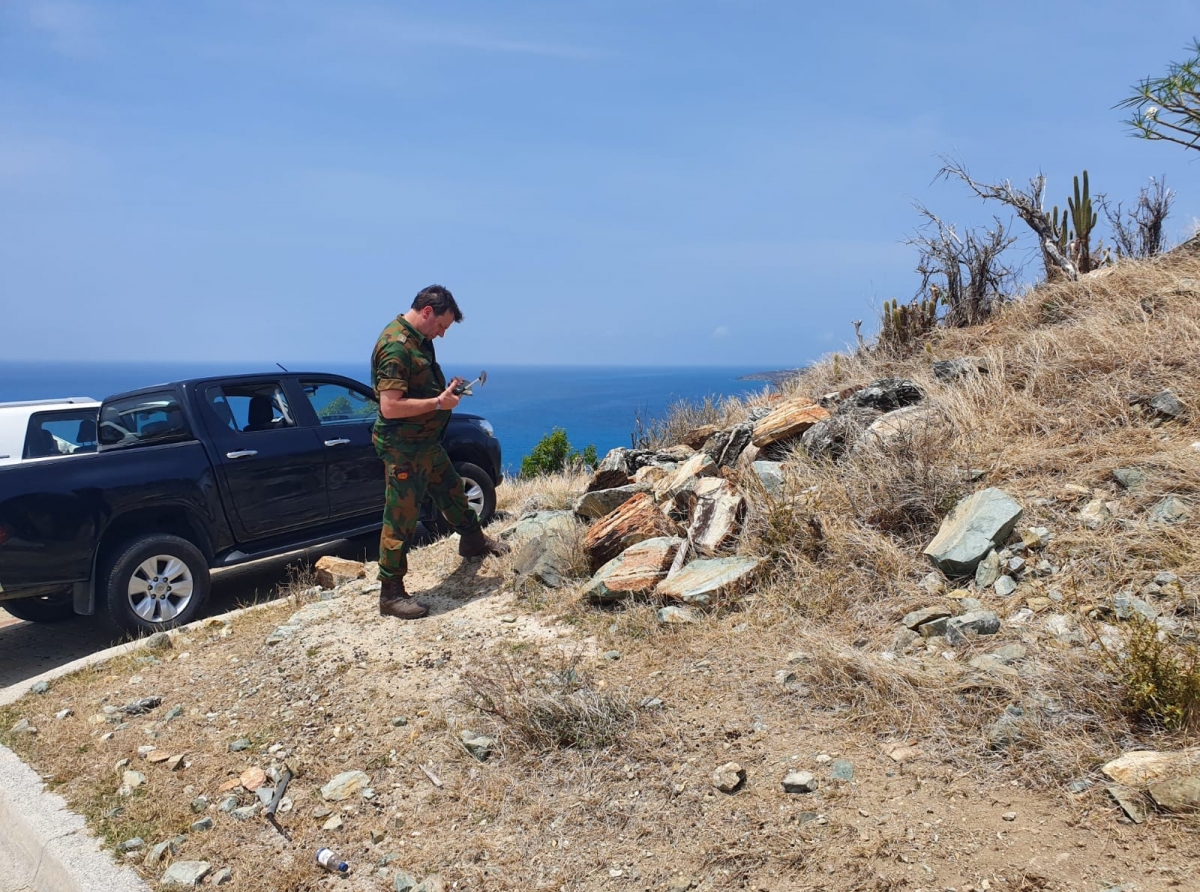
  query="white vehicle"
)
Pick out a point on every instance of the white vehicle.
point(40, 429)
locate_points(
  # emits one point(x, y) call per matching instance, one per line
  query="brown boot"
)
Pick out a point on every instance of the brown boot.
point(479, 544)
point(395, 601)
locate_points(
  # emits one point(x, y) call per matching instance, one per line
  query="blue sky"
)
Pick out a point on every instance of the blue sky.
point(643, 182)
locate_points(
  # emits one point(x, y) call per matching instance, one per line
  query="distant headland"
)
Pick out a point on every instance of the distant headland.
point(775, 377)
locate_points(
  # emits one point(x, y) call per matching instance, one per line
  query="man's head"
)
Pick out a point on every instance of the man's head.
point(433, 311)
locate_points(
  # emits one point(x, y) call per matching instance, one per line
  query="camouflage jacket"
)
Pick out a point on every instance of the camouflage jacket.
point(405, 360)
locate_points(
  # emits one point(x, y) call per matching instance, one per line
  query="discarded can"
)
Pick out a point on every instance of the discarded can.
point(328, 859)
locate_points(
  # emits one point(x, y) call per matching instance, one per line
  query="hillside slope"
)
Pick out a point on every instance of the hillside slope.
point(932, 762)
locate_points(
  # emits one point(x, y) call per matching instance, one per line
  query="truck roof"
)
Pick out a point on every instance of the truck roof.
point(61, 401)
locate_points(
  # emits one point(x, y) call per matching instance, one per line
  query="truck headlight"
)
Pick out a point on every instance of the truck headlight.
point(487, 426)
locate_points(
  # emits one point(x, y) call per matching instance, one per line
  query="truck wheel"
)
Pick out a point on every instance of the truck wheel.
point(481, 496)
point(156, 583)
point(46, 609)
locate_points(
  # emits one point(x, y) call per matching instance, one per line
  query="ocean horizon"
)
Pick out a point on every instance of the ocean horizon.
point(595, 405)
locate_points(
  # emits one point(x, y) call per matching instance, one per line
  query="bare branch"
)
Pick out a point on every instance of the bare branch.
point(1029, 207)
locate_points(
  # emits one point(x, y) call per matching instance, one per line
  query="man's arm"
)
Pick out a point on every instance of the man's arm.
point(394, 404)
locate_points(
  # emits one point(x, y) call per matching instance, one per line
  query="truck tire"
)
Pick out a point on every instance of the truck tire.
point(481, 494)
point(46, 609)
point(155, 583)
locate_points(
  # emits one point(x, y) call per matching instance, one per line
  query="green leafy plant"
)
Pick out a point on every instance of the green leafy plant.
point(553, 453)
point(1161, 677)
point(1168, 107)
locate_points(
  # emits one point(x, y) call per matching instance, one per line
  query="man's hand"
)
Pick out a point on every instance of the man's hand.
point(449, 399)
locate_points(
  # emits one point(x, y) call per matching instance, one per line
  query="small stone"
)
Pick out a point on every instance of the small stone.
point(1006, 730)
point(676, 616)
point(252, 778)
point(186, 874)
point(199, 804)
point(159, 852)
point(228, 804)
point(1016, 565)
point(1169, 511)
point(64, 714)
point(612, 655)
point(797, 781)
point(133, 779)
point(174, 712)
point(157, 641)
point(1009, 816)
point(842, 770)
point(334, 823)
point(131, 845)
point(961, 629)
point(918, 618)
point(729, 777)
point(23, 727)
point(205, 823)
point(1095, 514)
point(40, 687)
point(478, 745)
point(399, 721)
point(1130, 478)
point(242, 743)
point(651, 703)
point(155, 757)
point(245, 813)
point(377, 835)
point(1166, 578)
point(987, 571)
point(174, 762)
point(344, 785)
point(1177, 794)
point(403, 882)
point(902, 754)
point(1036, 538)
point(1006, 585)
point(1129, 800)
point(222, 876)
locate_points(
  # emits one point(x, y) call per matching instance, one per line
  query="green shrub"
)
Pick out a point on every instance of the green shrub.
point(1161, 677)
point(553, 453)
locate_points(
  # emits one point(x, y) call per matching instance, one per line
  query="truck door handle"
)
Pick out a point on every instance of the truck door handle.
point(341, 442)
point(242, 453)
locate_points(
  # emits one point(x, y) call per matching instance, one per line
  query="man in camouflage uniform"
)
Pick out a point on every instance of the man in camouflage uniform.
point(415, 403)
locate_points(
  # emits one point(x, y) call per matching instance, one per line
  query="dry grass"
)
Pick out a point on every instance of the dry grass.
point(686, 415)
point(544, 708)
point(808, 663)
point(547, 492)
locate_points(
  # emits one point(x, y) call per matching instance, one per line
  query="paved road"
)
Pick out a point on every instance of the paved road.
point(29, 649)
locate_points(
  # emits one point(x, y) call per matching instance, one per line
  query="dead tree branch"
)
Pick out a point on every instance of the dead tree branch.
point(1029, 207)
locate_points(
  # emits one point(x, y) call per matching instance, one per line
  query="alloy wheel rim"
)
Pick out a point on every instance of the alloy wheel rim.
point(474, 496)
point(160, 588)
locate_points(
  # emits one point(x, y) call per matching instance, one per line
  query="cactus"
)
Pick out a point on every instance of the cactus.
point(1084, 219)
point(905, 324)
point(1061, 230)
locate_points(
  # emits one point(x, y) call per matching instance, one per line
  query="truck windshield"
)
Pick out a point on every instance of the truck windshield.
point(149, 417)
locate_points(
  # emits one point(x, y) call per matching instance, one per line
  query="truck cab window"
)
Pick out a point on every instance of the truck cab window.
point(144, 418)
point(335, 403)
point(61, 433)
point(250, 407)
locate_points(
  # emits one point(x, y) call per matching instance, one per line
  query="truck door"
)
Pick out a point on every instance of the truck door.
point(273, 469)
point(344, 412)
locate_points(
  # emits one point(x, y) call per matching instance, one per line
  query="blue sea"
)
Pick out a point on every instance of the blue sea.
point(594, 405)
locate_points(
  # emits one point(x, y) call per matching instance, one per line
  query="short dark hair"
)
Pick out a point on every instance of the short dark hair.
point(440, 299)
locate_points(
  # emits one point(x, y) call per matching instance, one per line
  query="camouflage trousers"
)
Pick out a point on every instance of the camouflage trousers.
point(412, 473)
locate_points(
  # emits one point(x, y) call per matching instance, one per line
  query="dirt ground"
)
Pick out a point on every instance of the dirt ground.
point(349, 690)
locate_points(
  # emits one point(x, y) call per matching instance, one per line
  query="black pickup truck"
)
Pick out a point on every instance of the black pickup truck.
point(202, 474)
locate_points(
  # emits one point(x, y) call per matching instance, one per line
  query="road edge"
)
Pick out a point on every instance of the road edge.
point(49, 845)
